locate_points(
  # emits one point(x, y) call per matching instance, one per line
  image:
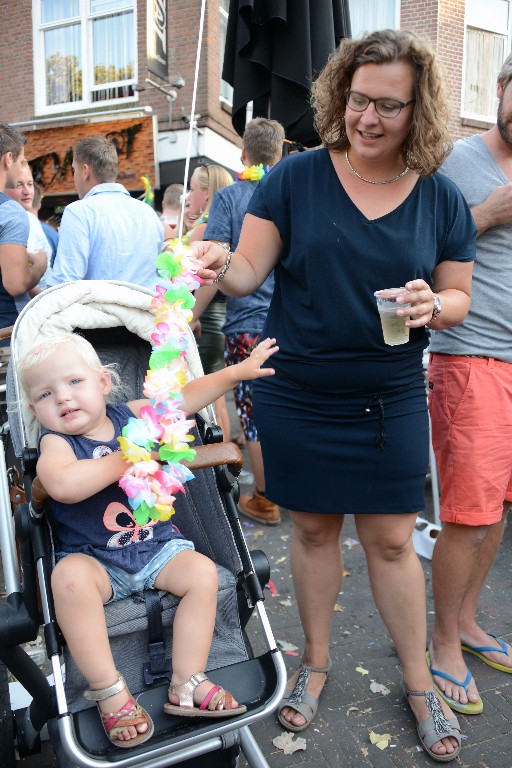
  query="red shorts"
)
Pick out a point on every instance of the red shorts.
point(470, 402)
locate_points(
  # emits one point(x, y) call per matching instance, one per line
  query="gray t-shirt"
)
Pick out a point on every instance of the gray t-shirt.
point(487, 330)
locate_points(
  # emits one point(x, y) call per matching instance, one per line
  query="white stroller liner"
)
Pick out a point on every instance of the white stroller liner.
point(85, 304)
point(89, 306)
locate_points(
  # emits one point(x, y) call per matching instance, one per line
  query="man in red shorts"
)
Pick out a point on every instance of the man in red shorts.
point(470, 399)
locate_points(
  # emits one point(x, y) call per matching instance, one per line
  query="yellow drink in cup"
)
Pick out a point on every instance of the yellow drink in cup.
point(394, 328)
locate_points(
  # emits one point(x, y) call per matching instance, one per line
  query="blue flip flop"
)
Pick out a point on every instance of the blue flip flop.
point(471, 708)
point(479, 651)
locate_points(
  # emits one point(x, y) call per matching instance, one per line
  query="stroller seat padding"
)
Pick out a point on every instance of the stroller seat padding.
point(127, 624)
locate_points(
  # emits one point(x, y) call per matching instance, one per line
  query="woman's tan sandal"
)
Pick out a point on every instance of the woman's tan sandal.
point(300, 700)
point(216, 703)
point(436, 727)
point(131, 714)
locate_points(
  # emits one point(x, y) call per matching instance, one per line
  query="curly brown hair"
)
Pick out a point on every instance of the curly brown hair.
point(427, 142)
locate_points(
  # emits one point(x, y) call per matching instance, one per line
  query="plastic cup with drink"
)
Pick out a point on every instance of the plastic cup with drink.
point(394, 329)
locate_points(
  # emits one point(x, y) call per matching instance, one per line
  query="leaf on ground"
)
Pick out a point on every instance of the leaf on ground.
point(338, 608)
point(362, 671)
point(280, 560)
point(364, 750)
point(287, 744)
point(346, 573)
point(360, 711)
point(381, 740)
point(285, 646)
point(379, 688)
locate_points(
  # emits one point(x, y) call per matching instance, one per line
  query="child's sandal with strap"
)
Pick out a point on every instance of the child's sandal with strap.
point(131, 714)
point(209, 707)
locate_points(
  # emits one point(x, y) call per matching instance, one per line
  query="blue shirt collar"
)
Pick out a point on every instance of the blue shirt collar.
point(107, 187)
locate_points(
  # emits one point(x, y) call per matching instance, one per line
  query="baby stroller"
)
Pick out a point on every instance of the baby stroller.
point(117, 319)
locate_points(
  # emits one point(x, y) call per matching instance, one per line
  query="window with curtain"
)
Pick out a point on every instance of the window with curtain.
point(367, 15)
point(226, 90)
point(85, 52)
point(488, 42)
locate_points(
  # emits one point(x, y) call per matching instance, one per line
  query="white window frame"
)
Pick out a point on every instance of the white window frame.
point(396, 3)
point(226, 90)
point(88, 87)
point(481, 19)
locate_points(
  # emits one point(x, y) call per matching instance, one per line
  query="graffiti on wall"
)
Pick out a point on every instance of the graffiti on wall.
point(50, 153)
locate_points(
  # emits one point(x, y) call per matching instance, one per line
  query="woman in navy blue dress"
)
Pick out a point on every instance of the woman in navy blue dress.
point(343, 423)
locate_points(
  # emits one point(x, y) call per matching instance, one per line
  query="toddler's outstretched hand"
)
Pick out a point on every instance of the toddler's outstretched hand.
point(251, 368)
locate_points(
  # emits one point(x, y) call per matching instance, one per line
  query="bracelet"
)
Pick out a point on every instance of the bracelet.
point(225, 268)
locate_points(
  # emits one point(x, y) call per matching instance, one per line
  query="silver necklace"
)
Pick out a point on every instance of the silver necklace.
point(369, 181)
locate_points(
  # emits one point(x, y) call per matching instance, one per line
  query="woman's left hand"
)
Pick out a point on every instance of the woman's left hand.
point(420, 296)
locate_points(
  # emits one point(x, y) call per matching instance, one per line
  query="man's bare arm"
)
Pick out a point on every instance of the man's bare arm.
point(20, 270)
point(495, 209)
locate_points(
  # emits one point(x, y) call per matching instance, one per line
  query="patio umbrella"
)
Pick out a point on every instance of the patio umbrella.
point(274, 50)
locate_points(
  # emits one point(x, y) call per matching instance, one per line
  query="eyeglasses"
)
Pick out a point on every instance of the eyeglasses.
point(358, 102)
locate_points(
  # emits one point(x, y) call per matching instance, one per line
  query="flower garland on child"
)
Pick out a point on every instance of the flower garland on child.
point(151, 487)
point(254, 173)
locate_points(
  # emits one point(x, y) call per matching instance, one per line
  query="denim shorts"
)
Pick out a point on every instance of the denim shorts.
point(126, 584)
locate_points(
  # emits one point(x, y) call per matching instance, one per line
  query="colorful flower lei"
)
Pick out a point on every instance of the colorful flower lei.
point(254, 173)
point(151, 487)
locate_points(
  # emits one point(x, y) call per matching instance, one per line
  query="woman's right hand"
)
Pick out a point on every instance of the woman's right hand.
point(210, 258)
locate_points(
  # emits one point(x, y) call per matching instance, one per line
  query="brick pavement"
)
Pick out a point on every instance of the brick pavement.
point(349, 711)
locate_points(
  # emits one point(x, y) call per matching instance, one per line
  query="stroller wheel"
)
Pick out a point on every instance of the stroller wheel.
point(6, 722)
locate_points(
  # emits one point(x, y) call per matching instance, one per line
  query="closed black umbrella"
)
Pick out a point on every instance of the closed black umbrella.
point(274, 51)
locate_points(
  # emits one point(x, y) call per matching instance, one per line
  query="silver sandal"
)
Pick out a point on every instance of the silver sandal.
point(300, 700)
point(130, 714)
point(436, 727)
point(208, 707)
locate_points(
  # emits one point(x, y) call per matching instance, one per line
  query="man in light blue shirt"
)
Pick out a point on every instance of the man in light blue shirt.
point(107, 234)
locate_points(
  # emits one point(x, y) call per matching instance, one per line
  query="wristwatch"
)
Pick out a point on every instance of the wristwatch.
point(437, 308)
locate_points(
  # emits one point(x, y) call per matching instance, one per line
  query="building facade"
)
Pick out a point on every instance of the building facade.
point(125, 68)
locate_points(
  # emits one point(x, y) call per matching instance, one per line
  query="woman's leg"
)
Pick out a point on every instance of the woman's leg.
point(317, 572)
point(81, 587)
point(193, 578)
point(398, 587)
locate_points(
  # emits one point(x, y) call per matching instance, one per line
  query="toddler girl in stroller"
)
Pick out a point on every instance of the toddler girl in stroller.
point(80, 465)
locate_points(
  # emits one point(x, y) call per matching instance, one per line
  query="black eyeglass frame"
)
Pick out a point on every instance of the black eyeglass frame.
point(400, 104)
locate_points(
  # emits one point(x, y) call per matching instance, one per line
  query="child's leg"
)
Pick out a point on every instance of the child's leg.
point(80, 587)
point(193, 578)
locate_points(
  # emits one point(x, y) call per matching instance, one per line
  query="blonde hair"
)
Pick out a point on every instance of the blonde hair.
point(43, 349)
point(212, 178)
point(428, 142)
